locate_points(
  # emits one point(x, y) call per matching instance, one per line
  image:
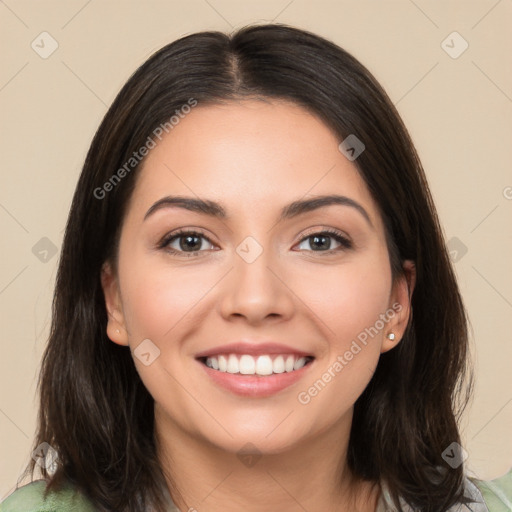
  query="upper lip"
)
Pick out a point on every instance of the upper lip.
point(254, 349)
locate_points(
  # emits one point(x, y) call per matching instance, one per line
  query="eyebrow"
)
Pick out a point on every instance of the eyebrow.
point(289, 211)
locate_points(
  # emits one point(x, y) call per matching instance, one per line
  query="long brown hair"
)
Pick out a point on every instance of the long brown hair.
point(94, 409)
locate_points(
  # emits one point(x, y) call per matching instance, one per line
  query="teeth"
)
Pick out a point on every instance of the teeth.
point(264, 365)
point(278, 364)
point(247, 365)
point(299, 363)
point(233, 364)
point(260, 365)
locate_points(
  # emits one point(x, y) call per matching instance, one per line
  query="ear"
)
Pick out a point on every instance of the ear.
point(400, 305)
point(116, 329)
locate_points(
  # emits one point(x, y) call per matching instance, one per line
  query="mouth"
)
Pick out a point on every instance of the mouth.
point(262, 365)
point(254, 370)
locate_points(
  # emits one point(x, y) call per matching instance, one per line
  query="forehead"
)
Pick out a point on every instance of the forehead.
point(247, 155)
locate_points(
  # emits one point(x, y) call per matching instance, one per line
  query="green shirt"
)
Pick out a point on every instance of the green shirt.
point(496, 494)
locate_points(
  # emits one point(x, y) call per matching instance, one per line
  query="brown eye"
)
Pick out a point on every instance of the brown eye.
point(322, 241)
point(187, 243)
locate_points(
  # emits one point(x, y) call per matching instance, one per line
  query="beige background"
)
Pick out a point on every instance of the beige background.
point(458, 111)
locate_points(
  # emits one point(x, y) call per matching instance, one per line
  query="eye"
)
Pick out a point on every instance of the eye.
point(192, 243)
point(185, 243)
point(322, 241)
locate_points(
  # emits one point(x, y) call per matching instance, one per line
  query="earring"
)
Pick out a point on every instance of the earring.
point(117, 331)
point(391, 336)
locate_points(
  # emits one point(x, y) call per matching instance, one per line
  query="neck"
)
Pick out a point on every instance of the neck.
point(312, 475)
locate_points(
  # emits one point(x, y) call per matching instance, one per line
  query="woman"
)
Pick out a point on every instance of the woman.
point(254, 307)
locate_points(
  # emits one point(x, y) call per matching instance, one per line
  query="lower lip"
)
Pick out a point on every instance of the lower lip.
point(255, 385)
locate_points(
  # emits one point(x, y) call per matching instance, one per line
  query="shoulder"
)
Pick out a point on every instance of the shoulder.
point(30, 498)
point(479, 496)
point(496, 493)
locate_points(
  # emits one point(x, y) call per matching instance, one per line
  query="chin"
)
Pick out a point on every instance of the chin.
point(270, 433)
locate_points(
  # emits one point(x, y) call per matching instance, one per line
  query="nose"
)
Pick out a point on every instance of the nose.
point(257, 291)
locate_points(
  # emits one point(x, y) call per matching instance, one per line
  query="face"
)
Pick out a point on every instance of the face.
point(256, 298)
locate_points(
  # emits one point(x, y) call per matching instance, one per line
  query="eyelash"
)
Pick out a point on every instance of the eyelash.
point(344, 242)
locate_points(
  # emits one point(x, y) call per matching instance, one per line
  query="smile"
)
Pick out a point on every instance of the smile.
point(262, 365)
point(255, 376)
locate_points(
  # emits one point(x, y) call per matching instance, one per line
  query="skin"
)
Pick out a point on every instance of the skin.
point(254, 157)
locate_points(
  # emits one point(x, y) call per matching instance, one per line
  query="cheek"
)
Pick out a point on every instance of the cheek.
point(348, 298)
point(157, 298)
point(350, 305)
point(161, 304)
